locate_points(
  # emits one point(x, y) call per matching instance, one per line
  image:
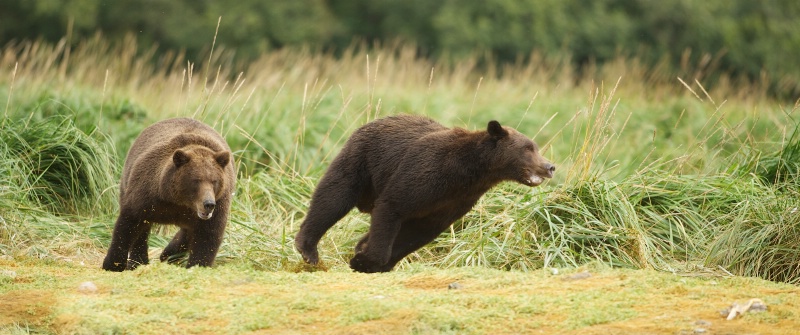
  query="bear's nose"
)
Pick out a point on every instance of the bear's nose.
point(209, 205)
point(550, 168)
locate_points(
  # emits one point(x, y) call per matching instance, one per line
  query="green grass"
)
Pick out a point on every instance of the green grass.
point(668, 177)
point(238, 299)
point(60, 167)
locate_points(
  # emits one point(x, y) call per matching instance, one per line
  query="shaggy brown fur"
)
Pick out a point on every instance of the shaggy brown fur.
point(178, 171)
point(415, 177)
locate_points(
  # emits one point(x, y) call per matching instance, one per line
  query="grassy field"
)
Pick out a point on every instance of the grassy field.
point(669, 192)
point(237, 299)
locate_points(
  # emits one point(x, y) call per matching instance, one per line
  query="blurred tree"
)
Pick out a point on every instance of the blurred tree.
point(255, 26)
point(249, 27)
point(753, 39)
point(48, 19)
point(171, 24)
point(375, 21)
point(510, 28)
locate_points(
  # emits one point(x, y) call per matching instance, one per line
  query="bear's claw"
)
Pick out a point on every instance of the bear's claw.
point(310, 257)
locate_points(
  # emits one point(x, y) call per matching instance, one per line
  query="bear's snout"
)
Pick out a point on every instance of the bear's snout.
point(537, 175)
point(209, 205)
point(207, 210)
point(206, 202)
point(550, 168)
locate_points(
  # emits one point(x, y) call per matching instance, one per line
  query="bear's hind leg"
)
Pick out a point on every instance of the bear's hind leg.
point(176, 247)
point(412, 237)
point(336, 194)
point(374, 251)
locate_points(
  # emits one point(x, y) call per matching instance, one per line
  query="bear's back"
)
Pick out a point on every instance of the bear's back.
point(156, 144)
point(384, 142)
point(394, 133)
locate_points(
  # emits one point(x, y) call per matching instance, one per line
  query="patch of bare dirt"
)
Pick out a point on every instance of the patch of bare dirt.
point(25, 307)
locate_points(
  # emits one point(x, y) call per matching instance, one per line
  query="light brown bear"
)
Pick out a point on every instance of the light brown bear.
point(178, 171)
point(415, 177)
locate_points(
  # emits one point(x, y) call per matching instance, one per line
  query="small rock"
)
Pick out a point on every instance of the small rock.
point(87, 287)
point(700, 330)
point(553, 271)
point(454, 286)
point(754, 305)
point(757, 306)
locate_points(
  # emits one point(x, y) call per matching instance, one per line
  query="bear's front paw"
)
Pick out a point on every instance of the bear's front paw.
point(176, 258)
point(310, 257)
point(361, 263)
point(110, 265)
point(309, 252)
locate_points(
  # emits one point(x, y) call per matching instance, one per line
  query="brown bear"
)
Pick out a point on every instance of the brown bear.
point(178, 171)
point(415, 177)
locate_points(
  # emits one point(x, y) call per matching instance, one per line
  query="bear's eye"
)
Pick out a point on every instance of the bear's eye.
point(530, 147)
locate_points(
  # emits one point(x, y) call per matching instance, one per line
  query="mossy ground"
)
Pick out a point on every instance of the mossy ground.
point(44, 297)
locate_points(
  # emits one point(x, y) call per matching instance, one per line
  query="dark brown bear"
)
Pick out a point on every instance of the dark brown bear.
point(178, 171)
point(415, 177)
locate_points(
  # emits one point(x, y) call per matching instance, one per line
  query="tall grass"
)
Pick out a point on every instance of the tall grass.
point(760, 237)
point(649, 175)
point(763, 229)
point(56, 180)
point(783, 166)
point(59, 167)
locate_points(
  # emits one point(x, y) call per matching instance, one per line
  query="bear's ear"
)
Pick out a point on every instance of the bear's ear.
point(180, 158)
point(223, 158)
point(496, 130)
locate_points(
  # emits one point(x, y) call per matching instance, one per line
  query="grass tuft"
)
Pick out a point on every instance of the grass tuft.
point(760, 237)
point(59, 166)
point(783, 167)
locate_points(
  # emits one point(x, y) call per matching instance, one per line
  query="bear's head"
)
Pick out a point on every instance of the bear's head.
point(517, 157)
point(199, 178)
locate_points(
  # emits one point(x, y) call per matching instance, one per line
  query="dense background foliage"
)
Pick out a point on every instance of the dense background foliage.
point(753, 40)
